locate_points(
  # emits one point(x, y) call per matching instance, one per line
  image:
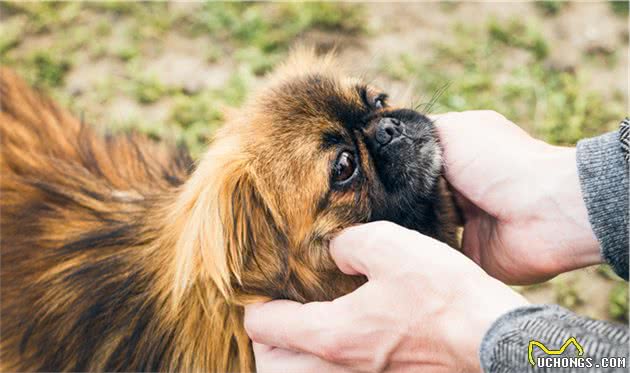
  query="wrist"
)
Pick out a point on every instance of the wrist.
point(497, 298)
point(575, 243)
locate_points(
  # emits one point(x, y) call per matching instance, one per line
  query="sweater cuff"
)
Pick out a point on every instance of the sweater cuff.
point(604, 182)
point(504, 346)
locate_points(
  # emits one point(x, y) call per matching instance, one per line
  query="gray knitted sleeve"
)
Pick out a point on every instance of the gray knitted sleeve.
point(505, 348)
point(603, 170)
point(604, 180)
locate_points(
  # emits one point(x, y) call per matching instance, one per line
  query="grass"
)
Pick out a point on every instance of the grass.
point(502, 67)
point(618, 304)
point(260, 34)
point(618, 296)
point(43, 16)
point(273, 28)
point(264, 33)
point(521, 35)
point(198, 115)
point(49, 69)
point(10, 34)
point(147, 89)
point(620, 7)
point(551, 7)
point(567, 295)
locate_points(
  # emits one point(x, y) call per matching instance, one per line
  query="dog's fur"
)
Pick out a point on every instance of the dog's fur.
point(120, 254)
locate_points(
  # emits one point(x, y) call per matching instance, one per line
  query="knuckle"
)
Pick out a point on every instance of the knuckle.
point(331, 349)
point(492, 115)
point(328, 354)
point(378, 365)
point(384, 235)
point(381, 232)
point(385, 227)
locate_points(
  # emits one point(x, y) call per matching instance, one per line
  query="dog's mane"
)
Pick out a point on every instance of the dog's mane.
point(120, 253)
point(82, 217)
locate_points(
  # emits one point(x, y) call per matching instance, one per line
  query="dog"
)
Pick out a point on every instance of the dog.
point(119, 253)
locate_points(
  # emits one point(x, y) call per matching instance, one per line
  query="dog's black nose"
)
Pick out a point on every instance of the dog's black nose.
point(387, 129)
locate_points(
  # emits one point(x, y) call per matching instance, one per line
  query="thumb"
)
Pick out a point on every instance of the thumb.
point(373, 249)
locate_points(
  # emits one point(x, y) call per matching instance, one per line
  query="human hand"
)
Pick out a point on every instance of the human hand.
point(525, 219)
point(425, 307)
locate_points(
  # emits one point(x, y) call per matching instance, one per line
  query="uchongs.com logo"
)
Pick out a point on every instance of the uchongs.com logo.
point(556, 358)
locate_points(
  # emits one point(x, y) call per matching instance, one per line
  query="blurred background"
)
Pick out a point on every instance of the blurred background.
point(558, 69)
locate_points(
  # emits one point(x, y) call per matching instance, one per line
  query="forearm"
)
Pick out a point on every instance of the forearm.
point(603, 175)
point(505, 345)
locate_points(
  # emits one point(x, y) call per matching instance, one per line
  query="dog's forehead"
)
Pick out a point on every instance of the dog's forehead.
point(318, 99)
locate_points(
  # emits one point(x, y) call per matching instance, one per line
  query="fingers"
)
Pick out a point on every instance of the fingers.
point(291, 325)
point(470, 241)
point(466, 207)
point(374, 249)
point(454, 138)
point(272, 359)
point(378, 248)
point(468, 116)
point(441, 116)
point(363, 249)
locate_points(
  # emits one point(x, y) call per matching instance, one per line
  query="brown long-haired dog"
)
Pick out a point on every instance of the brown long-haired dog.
point(120, 254)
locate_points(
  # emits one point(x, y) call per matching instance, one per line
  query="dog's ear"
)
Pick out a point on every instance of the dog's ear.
point(221, 217)
point(256, 247)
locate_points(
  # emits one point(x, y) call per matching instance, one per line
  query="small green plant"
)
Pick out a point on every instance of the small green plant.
point(618, 306)
point(190, 110)
point(50, 70)
point(151, 19)
point(258, 61)
point(519, 35)
point(571, 111)
point(551, 7)
point(118, 7)
point(347, 18)
point(44, 15)
point(148, 90)
point(10, 34)
point(620, 7)
point(606, 272)
point(126, 50)
point(154, 130)
point(199, 115)
point(567, 295)
point(235, 90)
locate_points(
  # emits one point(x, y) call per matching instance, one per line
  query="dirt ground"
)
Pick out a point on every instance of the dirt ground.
point(558, 69)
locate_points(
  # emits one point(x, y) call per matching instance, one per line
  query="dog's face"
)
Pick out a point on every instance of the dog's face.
point(315, 153)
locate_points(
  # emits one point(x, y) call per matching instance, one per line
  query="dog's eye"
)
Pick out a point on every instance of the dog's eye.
point(344, 167)
point(379, 101)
